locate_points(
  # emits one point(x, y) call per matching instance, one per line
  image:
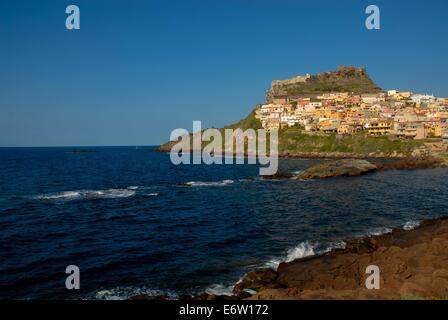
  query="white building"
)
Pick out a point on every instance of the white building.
point(423, 98)
point(391, 93)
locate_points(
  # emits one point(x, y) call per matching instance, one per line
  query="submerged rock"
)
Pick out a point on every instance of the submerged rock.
point(337, 168)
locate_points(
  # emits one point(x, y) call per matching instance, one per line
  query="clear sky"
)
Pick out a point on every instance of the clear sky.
point(136, 70)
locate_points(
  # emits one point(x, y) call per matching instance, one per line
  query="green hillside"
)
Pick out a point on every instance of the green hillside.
point(295, 140)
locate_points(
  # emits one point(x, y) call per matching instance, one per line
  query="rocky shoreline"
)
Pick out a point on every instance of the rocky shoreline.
point(357, 167)
point(342, 155)
point(413, 264)
point(315, 155)
point(166, 148)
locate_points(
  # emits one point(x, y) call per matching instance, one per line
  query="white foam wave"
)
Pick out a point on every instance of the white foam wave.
point(124, 293)
point(411, 225)
point(304, 249)
point(336, 245)
point(210, 184)
point(154, 194)
point(88, 194)
point(379, 231)
point(60, 195)
point(219, 290)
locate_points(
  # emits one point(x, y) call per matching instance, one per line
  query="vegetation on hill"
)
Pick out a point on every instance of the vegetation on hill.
point(293, 140)
point(250, 122)
point(296, 140)
point(346, 79)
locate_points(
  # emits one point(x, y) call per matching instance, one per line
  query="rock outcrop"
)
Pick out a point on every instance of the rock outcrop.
point(345, 79)
point(338, 168)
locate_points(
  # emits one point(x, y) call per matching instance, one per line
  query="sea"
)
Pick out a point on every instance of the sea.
point(119, 215)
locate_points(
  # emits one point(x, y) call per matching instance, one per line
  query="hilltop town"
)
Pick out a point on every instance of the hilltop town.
point(344, 114)
point(403, 115)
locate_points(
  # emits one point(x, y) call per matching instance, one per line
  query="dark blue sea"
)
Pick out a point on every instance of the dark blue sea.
point(118, 215)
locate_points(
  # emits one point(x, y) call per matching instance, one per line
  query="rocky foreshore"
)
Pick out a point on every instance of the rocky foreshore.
point(166, 148)
point(334, 155)
point(413, 264)
point(357, 167)
point(342, 155)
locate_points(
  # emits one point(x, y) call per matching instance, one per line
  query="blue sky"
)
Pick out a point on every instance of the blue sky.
point(139, 69)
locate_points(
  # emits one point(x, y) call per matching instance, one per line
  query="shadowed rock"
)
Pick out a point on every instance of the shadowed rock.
point(281, 175)
point(413, 163)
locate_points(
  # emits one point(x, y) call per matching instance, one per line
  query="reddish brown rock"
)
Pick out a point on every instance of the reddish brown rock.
point(413, 265)
point(255, 280)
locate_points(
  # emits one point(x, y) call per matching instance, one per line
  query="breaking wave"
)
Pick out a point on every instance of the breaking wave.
point(220, 290)
point(411, 225)
point(154, 194)
point(124, 293)
point(88, 194)
point(378, 231)
point(336, 245)
point(210, 184)
point(304, 249)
